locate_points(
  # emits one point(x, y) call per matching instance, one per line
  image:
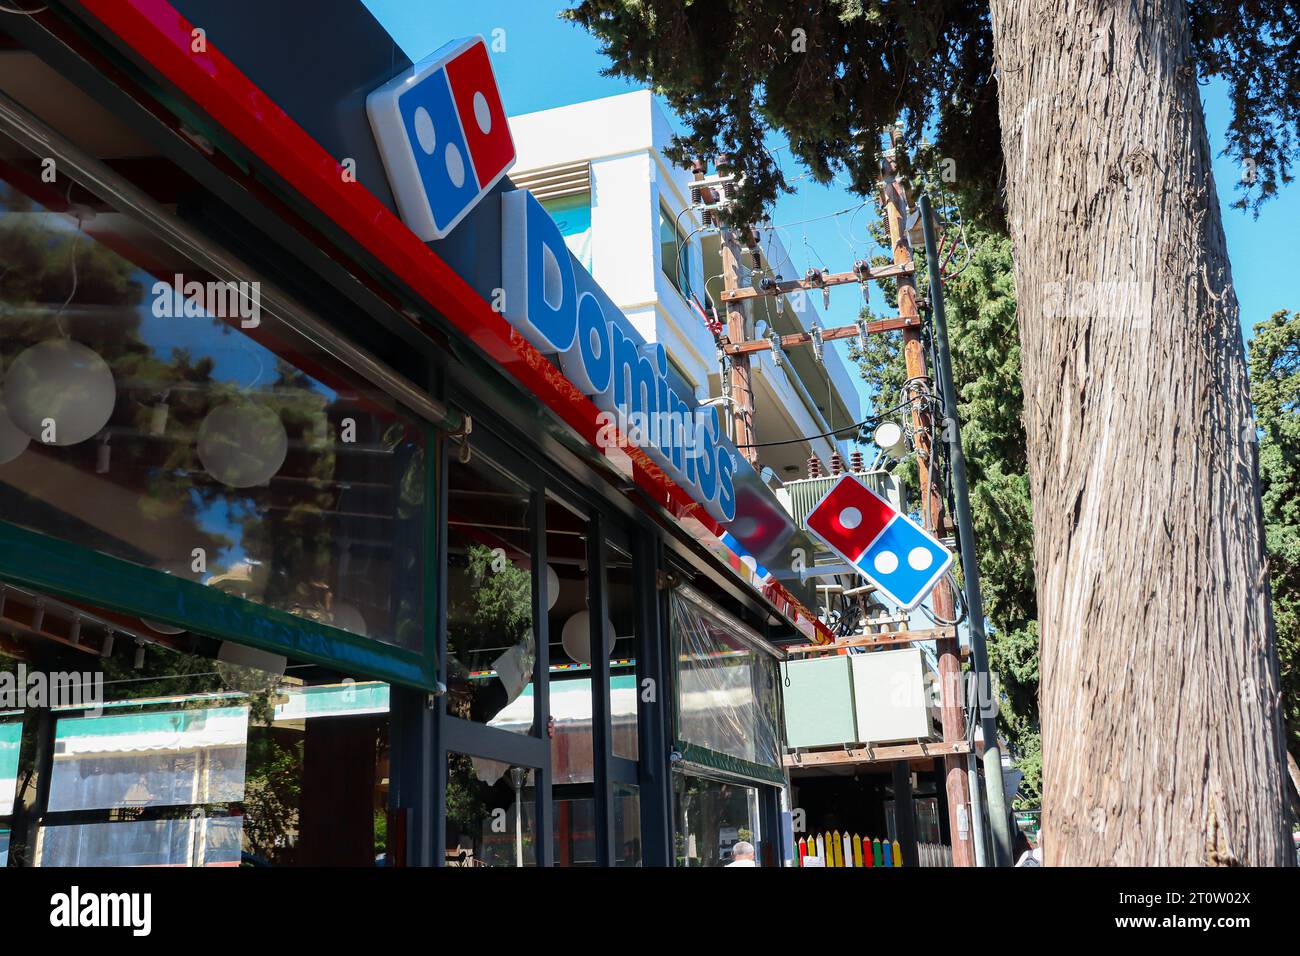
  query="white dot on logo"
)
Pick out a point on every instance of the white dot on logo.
point(920, 558)
point(424, 131)
point(455, 165)
point(481, 112)
point(850, 518)
point(886, 562)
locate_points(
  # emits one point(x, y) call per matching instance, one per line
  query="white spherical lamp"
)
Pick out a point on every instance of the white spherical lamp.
point(59, 392)
point(552, 585)
point(576, 637)
point(13, 440)
point(348, 618)
point(242, 444)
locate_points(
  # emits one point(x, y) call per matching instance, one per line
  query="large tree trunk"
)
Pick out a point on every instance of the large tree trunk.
point(1161, 719)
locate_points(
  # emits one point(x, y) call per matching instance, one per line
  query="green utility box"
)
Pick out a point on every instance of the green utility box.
point(819, 703)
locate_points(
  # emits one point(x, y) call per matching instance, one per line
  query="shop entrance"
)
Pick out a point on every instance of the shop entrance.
point(543, 642)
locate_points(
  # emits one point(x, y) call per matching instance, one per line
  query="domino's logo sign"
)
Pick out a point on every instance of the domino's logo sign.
point(443, 136)
point(889, 549)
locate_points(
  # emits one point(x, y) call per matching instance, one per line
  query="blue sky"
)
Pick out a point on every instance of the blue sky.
point(548, 62)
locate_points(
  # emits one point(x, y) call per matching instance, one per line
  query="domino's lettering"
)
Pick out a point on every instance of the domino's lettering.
point(561, 311)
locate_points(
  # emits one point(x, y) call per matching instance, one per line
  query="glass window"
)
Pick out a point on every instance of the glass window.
point(194, 841)
point(491, 642)
point(623, 687)
point(182, 750)
point(11, 737)
point(573, 792)
point(925, 818)
point(712, 817)
point(491, 813)
point(161, 415)
point(150, 758)
point(627, 825)
point(573, 216)
point(674, 254)
point(726, 690)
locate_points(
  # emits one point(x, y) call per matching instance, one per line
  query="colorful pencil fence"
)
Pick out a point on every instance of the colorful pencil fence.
point(836, 849)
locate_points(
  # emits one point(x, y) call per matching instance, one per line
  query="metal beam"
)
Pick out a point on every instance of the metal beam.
point(839, 332)
point(809, 285)
point(875, 640)
point(872, 755)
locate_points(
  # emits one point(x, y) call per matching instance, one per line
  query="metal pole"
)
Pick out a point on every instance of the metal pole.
point(976, 812)
point(999, 822)
point(952, 714)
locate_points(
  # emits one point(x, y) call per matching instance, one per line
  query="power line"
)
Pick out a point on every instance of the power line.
point(837, 431)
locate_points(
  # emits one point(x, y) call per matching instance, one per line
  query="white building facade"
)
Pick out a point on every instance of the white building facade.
point(600, 170)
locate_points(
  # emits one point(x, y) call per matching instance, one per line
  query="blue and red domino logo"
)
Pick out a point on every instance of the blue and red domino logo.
point(443, 136)
point(889, 549)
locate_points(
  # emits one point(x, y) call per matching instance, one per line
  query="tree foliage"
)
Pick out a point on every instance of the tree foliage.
point(1275, 393)
point(831, 74)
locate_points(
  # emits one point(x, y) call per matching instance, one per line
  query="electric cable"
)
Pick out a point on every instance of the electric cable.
point(837, 431)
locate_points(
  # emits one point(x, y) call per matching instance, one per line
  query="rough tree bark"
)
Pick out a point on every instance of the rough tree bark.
point(1161, 719)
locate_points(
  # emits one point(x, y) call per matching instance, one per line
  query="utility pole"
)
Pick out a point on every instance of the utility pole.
point(918, 390)
point(742, 394)
point(999, 823)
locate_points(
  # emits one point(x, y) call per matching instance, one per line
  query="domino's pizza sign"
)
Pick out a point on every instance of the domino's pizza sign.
point(889, 549)
point(443, 136)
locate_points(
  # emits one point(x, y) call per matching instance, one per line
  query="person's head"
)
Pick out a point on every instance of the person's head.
point(743, 850)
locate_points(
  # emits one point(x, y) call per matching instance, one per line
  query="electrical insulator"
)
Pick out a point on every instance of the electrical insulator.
point(814, 467)
point(856, 462)
point(778, 354)
point(837, 464)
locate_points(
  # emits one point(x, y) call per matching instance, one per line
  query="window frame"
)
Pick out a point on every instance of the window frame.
point(682, 239)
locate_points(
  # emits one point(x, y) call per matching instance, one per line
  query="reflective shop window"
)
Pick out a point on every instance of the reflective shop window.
point(623, 686)
point(187, 751)
point(569, 624)
point(11, 735)
point(925, 811)
point(727, 693)
point(491, 813)
point(154, 413)
point(491, 641)
point(711, 818)
point(627, 824)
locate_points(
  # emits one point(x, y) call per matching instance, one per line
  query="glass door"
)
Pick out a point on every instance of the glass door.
point(540, 723)
point(593, 692)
